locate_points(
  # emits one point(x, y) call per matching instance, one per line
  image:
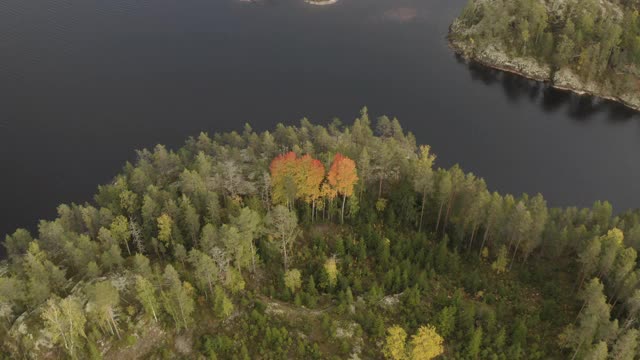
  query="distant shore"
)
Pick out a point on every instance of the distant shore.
point(321, 2)
point(563, 79)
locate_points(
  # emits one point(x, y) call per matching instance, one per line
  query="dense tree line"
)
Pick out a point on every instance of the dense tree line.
point(275, 245)
point(598, 40)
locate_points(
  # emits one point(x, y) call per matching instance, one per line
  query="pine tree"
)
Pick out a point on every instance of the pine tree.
point(447, 321)
point(423, 178)
point(473, 349)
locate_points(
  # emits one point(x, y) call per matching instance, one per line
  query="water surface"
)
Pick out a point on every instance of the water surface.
point(85, 82)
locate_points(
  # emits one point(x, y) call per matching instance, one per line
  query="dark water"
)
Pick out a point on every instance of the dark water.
point(85, 82)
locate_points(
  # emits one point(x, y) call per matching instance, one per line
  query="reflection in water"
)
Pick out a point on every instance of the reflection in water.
point(578, 107)
point(478, 72)
point(620, 113)
point(516, 87)
point(552, 99)
point(582, 108)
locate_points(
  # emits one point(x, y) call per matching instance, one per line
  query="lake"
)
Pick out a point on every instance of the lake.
point(85, 83)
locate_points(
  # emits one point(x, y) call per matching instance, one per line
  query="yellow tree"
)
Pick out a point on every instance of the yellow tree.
point(394, 346)
point(426, 344)
point(293, 280)
point(343, 176)
point(327, 192)
point(500, 265)
point(309, 175)
point(331, 268)
point(165, 227)
point(120, 230)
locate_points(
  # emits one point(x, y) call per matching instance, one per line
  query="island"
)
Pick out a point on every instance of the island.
point(586, 46)
point(318, 242)
point(321, 2)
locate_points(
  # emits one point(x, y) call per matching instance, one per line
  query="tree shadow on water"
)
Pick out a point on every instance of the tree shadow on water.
point(485, 75)
point(619, 113)
point(515, 87)
point(578, 107)
point(553, 99)
point(584, 107)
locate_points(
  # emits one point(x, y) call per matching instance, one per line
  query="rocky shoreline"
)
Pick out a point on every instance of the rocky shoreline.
point(563, 79)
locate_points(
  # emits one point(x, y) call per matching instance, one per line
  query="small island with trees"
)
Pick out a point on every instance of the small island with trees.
point(321, 2)
point(586, 46)
point(318, 242)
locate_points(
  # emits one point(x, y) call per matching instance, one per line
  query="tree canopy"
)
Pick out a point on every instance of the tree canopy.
point(234, 246)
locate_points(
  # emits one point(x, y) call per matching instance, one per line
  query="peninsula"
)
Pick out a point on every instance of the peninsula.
point(318, 242)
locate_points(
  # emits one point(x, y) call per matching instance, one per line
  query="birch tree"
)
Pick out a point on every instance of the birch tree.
point(65, 321)
point(205, 270)
point(283, 227)
point(249, 225)
point(177, 298)
point(147, 295)
point(104, 305)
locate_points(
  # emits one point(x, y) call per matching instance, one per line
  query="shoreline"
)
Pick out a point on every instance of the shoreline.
point(460, 50)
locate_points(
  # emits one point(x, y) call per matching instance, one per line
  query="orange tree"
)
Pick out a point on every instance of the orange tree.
point(343, 177)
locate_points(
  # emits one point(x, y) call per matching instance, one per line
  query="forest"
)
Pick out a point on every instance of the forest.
point(597, 40)
point(318, 242)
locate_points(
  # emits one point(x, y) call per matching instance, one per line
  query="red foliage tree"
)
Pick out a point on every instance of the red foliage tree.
point(343, 177)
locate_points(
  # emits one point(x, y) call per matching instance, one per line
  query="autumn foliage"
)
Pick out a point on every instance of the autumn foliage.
point(343, 175)
point(283, 178)
point(310, 176)
point(426, 344)
point(294, 177)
